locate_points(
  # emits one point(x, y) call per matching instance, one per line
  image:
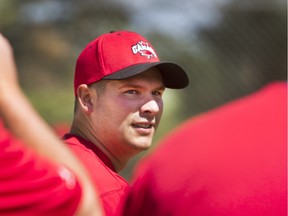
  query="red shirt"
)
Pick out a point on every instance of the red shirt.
point(29, 185)
point(229, 161)
point(112, 188)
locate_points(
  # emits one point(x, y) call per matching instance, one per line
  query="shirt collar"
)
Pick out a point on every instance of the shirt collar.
point(80, 140)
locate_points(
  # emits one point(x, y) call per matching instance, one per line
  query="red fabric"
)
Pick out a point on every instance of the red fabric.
point(230, 161)
point(112, 188)
point(31, 186)
point(112, 52)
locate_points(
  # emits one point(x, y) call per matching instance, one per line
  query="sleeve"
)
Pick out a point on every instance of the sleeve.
point(30, 185)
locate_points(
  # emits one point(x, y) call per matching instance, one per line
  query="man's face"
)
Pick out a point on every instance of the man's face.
point(127, 113)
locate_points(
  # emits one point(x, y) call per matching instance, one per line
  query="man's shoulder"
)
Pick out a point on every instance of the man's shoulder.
point(85, 153)
point(99, 167)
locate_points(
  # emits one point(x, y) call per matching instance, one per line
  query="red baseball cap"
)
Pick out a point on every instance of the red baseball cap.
point(123, 54)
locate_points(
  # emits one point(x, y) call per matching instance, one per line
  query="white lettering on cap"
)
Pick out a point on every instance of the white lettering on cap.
point(144, 49)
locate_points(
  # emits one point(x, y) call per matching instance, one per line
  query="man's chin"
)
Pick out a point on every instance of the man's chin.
point(141, 146)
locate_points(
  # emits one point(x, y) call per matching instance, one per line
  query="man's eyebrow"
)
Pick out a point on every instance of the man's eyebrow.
point(162, 88)
point(129, 84)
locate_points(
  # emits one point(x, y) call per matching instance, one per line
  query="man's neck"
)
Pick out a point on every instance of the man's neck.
point(118, 164)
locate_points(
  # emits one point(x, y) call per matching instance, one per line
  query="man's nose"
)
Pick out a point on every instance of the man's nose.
point(150, 107)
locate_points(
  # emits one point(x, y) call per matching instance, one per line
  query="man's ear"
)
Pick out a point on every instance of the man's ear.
point(85, 98)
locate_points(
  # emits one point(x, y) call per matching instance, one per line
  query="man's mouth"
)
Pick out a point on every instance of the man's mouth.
point(142, 125)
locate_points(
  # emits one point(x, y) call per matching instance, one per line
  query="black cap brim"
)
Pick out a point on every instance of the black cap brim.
point(173, 75)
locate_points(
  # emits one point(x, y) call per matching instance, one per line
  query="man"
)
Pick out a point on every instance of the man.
point(119, 82)
point(38, 173)
point(229, 161)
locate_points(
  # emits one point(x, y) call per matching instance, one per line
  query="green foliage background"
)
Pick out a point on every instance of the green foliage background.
point(244, 49)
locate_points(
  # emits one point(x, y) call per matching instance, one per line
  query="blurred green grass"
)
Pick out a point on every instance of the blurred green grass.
point(55, 105)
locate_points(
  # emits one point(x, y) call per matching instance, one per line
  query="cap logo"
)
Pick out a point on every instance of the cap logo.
point(144, 49)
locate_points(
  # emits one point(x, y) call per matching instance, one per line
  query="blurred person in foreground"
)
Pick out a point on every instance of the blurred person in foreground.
point(229, 161)
point(119, 83)
point(38, 173)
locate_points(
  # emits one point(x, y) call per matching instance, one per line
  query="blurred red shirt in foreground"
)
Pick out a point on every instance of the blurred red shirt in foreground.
point(229, 161)
point(30, 185)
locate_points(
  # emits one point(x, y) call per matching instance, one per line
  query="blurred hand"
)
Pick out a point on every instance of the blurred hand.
point(23, 121)
point(8, 72)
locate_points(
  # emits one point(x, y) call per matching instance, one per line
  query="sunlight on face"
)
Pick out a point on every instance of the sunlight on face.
point(128, 112)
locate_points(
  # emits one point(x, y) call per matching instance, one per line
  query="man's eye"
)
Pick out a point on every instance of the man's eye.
point(158, 93)
point(131, 92)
